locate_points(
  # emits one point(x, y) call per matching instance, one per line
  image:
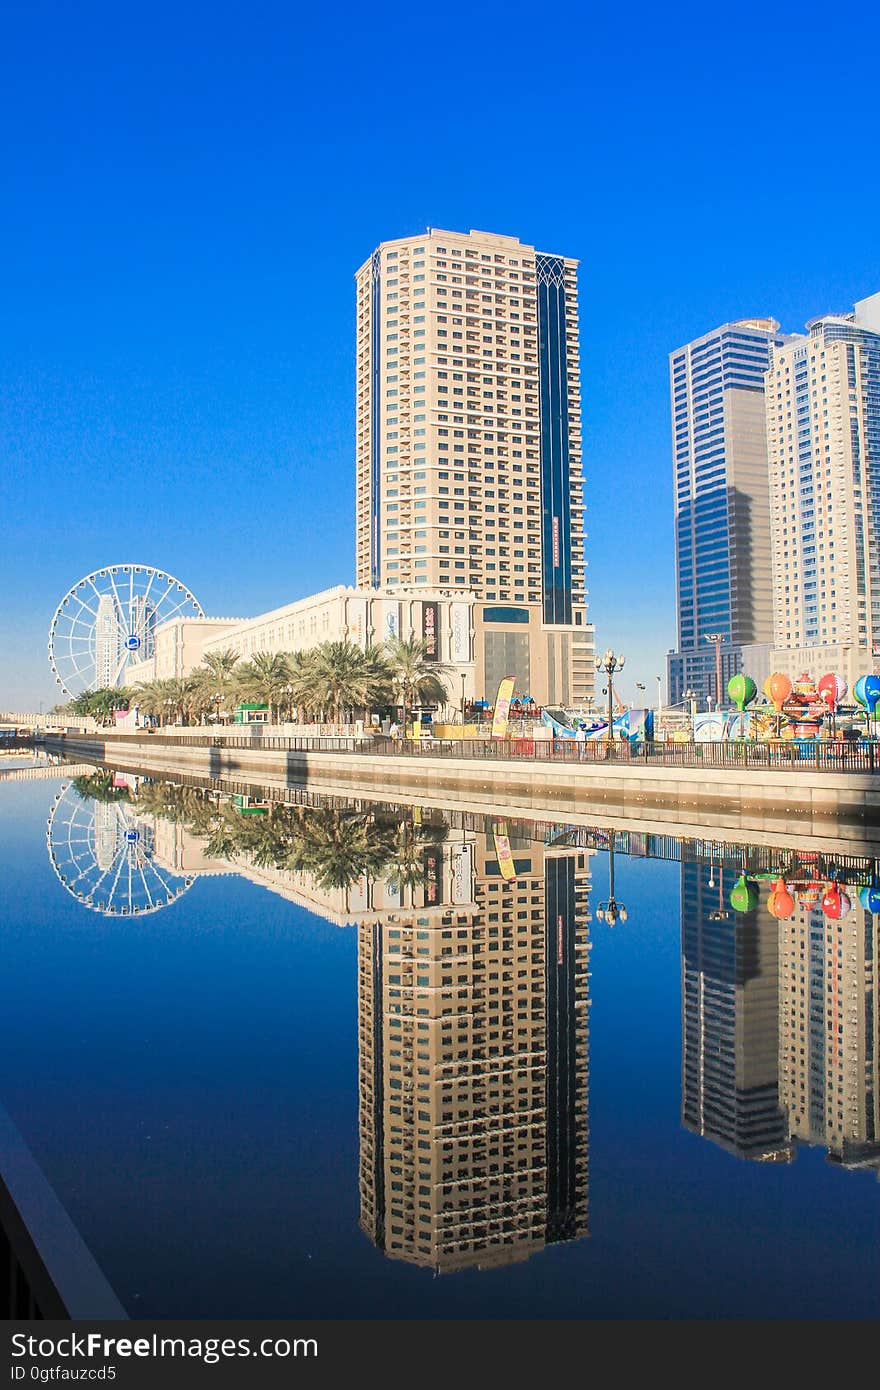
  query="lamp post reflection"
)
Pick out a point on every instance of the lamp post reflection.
point(610, 910)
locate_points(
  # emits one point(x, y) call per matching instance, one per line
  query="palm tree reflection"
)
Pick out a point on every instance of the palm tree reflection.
point(336, 846)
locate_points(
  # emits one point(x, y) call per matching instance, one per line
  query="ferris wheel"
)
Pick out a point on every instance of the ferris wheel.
point(108, 620)
point(103, 854)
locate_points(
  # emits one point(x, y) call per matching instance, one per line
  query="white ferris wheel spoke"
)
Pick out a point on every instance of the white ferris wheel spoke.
point(121, 858)
point(120, 666)
point(97, 592)
point(121, 616)
point(146, 885)
point(153, 576)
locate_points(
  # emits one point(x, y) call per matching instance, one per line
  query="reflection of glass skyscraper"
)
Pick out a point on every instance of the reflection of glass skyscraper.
point(829, 1032)
point(730, 983)
point(473, 1037)
point(107, 643)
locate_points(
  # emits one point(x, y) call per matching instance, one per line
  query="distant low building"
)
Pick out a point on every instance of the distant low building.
point(177, 648)
point(481, 642)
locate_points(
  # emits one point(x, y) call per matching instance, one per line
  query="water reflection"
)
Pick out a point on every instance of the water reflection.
point(473, 1039)
point(474, 992)
point(102, 847)
point(780, 1039)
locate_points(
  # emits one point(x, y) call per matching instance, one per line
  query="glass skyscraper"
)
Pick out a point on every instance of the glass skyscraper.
point(722, 510)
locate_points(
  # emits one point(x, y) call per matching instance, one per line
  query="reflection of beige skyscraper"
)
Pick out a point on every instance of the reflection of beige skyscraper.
point(829, 1039)
point(469, 444)
point(473, 1043)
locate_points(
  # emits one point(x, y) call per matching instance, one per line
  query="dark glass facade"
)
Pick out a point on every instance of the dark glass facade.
point(555, 489)
point(566, 1098)
point(375, 434)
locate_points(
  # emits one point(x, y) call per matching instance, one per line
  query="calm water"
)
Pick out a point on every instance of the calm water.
point(303, 1061)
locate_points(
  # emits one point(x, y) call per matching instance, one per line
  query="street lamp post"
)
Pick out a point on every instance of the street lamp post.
point(610, 910)
point(463, 679)
point(717, 638)
point(691, 697)
point(610, 662)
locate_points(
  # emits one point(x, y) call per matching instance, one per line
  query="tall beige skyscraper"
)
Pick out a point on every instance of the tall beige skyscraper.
point(469, 445)
point(823, 444)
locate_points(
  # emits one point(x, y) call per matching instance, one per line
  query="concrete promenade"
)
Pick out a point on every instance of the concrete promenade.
point(834, 806)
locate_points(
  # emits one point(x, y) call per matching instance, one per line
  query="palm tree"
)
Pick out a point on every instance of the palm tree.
point(176, 698)
point(300, 680)
point(417, 678)
point(150, 697)
point(216, 678)
point(265, 677)
point(183, 694)
point(102, 703)
point(342, 676)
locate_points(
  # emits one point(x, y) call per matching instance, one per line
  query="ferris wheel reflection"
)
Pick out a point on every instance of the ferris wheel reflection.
point(102, 850)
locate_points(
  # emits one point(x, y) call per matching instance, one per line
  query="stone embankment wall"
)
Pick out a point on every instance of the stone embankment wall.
point(678, 800)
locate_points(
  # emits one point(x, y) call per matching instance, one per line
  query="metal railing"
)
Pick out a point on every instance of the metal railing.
point(805, 756)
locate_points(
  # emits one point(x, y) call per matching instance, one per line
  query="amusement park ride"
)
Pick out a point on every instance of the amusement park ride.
point(792, 710)
point(800, 709)
point(804, 887)
point(108, 620)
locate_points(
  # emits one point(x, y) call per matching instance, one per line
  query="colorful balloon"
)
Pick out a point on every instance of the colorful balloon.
point(781, 903)
point(869, 896)
point(810, 894)
point(835, 902)
point(742, 690)
point(777, 688)
point(832, 689)
point(867, 692)
point(744, 894)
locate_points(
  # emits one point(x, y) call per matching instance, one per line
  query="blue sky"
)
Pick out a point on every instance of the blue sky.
point(188, 190)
